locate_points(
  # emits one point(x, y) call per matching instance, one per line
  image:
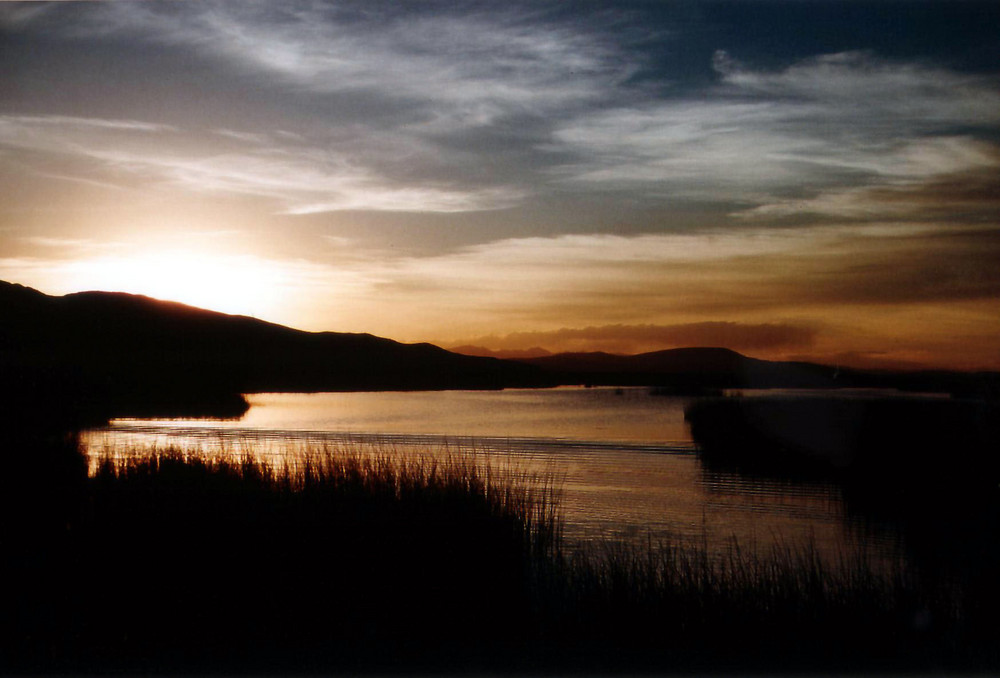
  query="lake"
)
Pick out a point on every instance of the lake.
point(624, 457)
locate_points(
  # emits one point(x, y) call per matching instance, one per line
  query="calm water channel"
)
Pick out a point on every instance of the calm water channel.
point(627, 464)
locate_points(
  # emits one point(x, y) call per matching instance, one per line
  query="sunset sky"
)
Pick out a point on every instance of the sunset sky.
point(795, 179)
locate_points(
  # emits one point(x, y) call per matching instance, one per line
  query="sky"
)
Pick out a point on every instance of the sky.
point(792, 180)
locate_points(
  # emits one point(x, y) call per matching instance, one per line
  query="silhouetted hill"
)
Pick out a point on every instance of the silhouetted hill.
point(95, 353)
point(692, 370)
point(705, 361)
point(135, 355)
point(685, 369)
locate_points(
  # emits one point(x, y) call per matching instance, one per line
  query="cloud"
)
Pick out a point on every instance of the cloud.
point(389, 107)
point(965, 188)
point(70, 248)
point(936, 266)
point(71, 135)
point(908, 289)
point(886, 93)
point(16, 15)
point(834, 121)
point(304, 183)
point(472, 107)
point(300, 177)
point(73, 122)
point(737, 275)
point(455, 65)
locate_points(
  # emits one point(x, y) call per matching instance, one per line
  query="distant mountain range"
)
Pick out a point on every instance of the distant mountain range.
point(103, 354)
point(692, 370)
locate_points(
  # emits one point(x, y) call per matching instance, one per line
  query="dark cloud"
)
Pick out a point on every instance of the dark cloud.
point(631, 339)
point(470, 106)
point(971, 196)
point(938, 267)
point(947, 179)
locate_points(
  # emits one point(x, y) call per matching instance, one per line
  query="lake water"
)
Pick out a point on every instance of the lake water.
point(627, 464)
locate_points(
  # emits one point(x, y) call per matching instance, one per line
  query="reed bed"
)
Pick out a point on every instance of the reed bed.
point(505, 489)
point(338, 559)
point(668, 605)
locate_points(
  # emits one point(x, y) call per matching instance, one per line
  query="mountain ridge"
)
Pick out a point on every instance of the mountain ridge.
point(132, 355)
point(695, 369)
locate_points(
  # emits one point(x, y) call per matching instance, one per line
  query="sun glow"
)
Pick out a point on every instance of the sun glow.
point(238, 284)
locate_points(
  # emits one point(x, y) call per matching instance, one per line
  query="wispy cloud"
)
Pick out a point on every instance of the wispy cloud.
point(391, 107)
point(75, 122)
point(864, 287)
point(299, 177)
point(946, 178)
point(473, 107)
point(834, 121)
point(304, 182)
point(456, 65)
point(68, 134)
point(73, 247)
point(805, 273)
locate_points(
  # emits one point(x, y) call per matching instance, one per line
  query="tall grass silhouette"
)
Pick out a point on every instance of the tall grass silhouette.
point(338, 560)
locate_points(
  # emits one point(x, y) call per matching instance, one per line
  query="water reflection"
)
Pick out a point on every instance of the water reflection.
point(628, 467)
point(595, 414)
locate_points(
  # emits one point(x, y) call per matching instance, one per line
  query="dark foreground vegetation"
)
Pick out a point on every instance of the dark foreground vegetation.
point(886, 442)
point(343, 563)
point(926, 469)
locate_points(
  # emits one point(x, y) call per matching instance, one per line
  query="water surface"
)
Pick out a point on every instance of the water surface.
point(625, 458)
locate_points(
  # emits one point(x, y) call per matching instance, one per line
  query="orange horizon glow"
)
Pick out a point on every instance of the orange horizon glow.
point(789, 340)
point(737, 290)
point(515, 183)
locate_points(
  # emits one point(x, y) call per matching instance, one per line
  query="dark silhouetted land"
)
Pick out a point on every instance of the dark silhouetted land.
point(372, 564)
point(350, 563)
point(88, 356)
point(928, 469)
point(936, 443)
point(695, 370)
point(100, 353)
